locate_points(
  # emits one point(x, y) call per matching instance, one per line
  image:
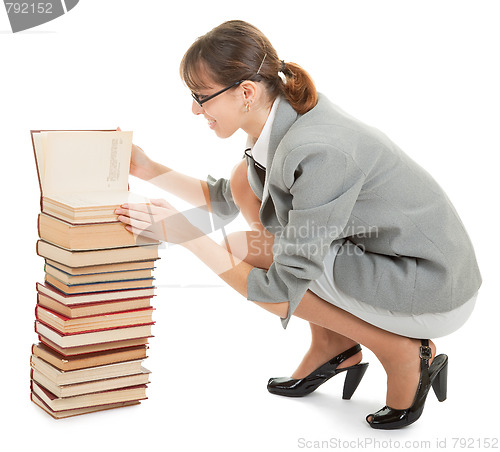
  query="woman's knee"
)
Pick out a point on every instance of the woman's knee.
point(239, 183)
point(245, 198)
point(252, 247)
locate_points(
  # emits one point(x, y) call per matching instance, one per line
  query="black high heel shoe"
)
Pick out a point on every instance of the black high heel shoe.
point(436, 376)
point(298, 388)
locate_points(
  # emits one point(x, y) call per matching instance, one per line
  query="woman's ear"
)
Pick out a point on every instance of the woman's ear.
point(249, 91)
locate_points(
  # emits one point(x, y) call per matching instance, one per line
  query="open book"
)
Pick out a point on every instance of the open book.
point(83, 175)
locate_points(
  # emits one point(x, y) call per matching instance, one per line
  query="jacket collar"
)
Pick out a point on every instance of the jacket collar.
point(285, 117)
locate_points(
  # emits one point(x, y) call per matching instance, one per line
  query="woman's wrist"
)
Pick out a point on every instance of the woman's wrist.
point(198, 244)
point(150, 170)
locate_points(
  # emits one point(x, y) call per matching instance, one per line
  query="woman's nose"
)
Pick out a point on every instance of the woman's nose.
point(196, 109)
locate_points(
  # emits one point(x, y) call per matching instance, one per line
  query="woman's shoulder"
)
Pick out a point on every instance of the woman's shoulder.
point(329, 125)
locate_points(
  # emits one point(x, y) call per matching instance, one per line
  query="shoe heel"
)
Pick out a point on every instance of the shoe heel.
point(440, 384)
point(352, 379)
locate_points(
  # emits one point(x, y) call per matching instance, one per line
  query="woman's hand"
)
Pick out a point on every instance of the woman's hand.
point(140, 164)
point(158, 220)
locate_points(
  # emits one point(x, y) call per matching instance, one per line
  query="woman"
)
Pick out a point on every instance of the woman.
point(348, 232)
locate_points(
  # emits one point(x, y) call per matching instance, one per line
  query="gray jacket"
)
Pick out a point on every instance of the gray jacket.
point(331, 178)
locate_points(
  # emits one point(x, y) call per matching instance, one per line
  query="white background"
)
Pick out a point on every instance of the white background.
point(424, 72)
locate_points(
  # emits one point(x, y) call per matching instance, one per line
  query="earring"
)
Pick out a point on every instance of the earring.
point(247, 107)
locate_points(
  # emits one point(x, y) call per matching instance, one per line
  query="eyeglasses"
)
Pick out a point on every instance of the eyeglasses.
point(200, 102)
point(255, 163)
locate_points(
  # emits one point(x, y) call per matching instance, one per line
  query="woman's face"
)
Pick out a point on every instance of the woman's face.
point(225, 112)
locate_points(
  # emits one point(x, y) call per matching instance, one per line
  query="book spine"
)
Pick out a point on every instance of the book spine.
point(99, 330)
point(36, 162)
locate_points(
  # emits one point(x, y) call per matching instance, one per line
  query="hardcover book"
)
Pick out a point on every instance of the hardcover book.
point(93, 314)
point(65, 325)
point(94, 337)
point(101, 347)
point(96, 257)
point(78, 411)
point(80, 299)
point(62, 378)
point(131, 393)
point(87, 236)
point(99, 286)
point(92, 309)
point(86, 360)
point(71, 279)
point(104, 268)
point(88, 387)
point(83, 175)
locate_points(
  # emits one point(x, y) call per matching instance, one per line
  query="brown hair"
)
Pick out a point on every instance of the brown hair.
point(236, 50)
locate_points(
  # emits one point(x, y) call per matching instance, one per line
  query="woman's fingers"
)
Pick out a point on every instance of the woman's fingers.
point(161, 203)
point(126, 215)
point(134, 222)
point(151, 209)
point(143, 212)
point(158, 220)
point(143, 233)
point(141, 207)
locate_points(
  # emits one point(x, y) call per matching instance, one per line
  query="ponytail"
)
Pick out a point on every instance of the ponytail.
point(236, 50)
point(298, 88)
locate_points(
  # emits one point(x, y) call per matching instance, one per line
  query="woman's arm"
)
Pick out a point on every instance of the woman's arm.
point(190, 189)
point(162, 221)
point(230, 269)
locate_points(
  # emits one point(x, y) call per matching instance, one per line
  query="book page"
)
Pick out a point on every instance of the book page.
point(84, 161)
point(40, 163)
point(99, 198)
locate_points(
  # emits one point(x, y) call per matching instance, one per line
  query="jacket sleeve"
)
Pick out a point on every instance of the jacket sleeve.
point(324, 184)
point(224, 209)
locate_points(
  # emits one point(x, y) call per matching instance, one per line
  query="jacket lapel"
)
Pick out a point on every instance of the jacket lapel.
point(284, 119)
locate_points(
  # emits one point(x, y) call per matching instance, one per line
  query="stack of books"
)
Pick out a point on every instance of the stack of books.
point(93, 311)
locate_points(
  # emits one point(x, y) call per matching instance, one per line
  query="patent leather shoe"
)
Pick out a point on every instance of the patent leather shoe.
point(291, 387)
point(435, 376)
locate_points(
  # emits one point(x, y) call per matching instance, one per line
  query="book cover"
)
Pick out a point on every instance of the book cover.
point(55, 403)
point(87, 236)
point(77, 299)
point(83, 175)
point(96, 257)
point(66, 325)
point(86, 360)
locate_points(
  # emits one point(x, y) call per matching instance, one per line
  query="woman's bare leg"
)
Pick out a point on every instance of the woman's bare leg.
point(398, 354)
point(335, 330)
point(325, 344)
point(255, 247)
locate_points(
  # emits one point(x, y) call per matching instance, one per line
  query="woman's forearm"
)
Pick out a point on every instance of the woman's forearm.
point(190, 189)
point(230, 269)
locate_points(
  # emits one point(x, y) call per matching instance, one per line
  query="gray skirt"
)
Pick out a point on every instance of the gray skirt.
point(422, 326)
